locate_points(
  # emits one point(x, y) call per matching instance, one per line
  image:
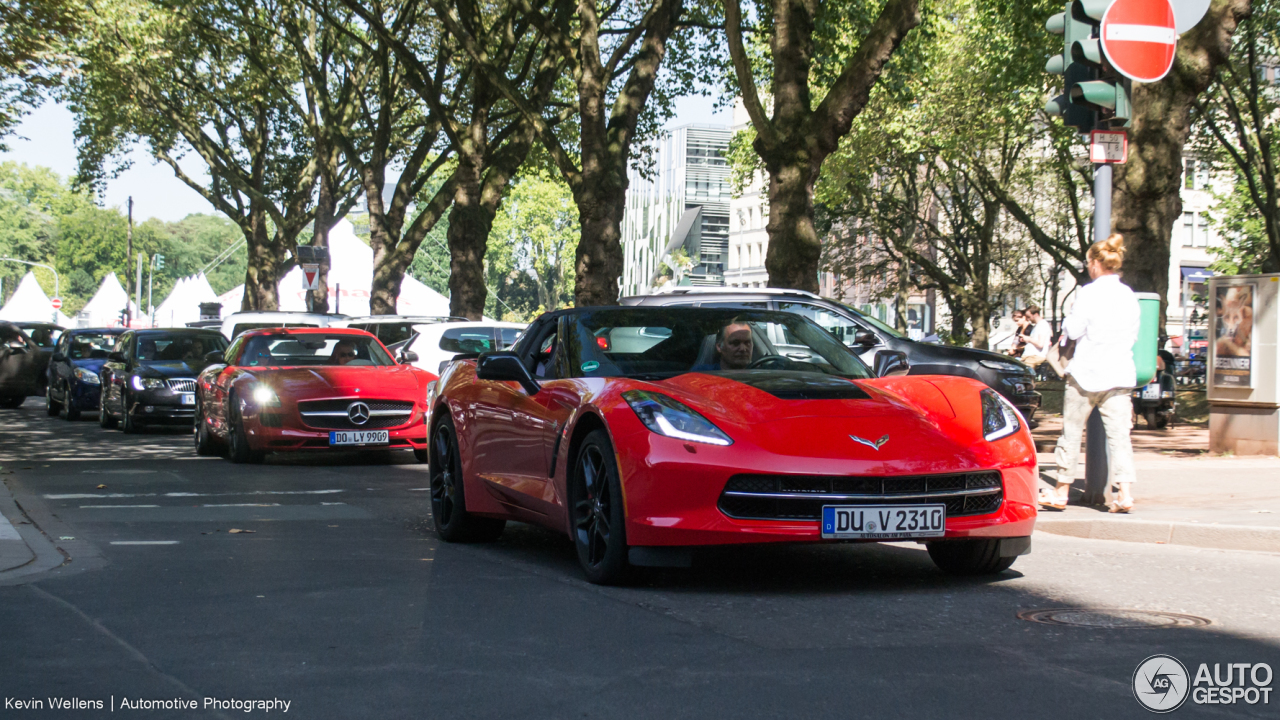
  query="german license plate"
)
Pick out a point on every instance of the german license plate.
point(188, 398)
point(883, 522)
point(1151, 392)
point(359, 437)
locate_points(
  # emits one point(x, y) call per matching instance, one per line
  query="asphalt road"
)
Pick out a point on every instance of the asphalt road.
point(342, 601)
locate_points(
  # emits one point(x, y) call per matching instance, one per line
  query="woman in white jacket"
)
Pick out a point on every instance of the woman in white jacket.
point(1101, 374)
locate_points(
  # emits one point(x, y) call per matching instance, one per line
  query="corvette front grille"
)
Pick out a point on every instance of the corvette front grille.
point(801, 497)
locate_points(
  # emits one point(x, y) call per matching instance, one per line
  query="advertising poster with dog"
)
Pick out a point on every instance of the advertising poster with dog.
point(1233, 335)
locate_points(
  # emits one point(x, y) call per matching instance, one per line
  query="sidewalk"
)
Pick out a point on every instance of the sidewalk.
point(1184, 495)
point(14, 552)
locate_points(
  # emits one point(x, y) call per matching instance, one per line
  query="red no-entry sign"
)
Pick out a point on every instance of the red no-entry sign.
point(56, 303)
point(1139, 38)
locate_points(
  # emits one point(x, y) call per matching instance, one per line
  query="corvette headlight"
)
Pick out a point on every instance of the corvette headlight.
point(147, 383)
point(264, 396)
point(1006, 366)
point(999, 418)
point(674, 419)
point(86, 377)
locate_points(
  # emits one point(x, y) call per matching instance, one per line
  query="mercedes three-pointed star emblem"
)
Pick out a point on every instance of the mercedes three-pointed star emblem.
point(873, 445)
point(358, 413)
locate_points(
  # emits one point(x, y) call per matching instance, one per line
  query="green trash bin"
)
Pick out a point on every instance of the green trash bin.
point(1146, 346)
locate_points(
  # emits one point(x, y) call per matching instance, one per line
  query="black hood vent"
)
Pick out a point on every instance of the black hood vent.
point(792, 385)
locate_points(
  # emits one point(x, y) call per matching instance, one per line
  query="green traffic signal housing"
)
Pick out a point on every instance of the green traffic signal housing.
point(1094, 93)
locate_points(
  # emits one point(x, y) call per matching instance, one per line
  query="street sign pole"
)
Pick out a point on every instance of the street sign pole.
point(1097, 465)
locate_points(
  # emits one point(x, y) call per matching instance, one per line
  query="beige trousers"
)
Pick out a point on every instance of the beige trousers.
point(1117, 417)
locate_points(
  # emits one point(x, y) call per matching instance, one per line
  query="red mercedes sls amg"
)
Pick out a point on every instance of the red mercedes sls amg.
point(643, 432)
point(280, 390)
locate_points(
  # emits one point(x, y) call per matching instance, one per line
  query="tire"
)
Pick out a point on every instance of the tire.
point(128, 424)
point(422, 456)
point(238, 449)
point(104, 417)
point(205, 446)
point(70, 412)
point(1162, 421)
point(969, 557)
point(1152, 418)
point(12, 402)
point(51, 407)
point(448, 493)
point(596, 512)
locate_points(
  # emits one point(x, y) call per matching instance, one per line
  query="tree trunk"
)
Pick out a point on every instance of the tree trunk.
point(326, 203)
point(601, 201)
point(469, 225)
point(262, 275)
point(1147, 198)
point(794, 248)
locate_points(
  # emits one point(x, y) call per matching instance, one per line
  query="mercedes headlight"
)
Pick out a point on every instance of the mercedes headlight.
point(87, 377)
point(147, 383)
point(1005, 366)
point(999, 418)
point(264, 396)
point(673, 419)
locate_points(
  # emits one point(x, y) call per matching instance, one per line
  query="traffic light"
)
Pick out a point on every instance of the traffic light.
point(124, 318)
point(1094, 94)
point(159, 262)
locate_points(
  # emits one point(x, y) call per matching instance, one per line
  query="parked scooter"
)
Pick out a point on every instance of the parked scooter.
point(1155, 401)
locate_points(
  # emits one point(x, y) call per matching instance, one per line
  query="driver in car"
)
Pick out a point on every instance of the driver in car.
point(734, 346)
point(343, 353)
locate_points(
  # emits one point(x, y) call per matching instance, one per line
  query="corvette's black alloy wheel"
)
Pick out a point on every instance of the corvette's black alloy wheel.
point(448, 501)
point(238, 450)
point(599, 522)
point(969, 557)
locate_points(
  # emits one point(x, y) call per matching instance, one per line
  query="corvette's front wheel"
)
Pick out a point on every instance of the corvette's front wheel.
point(599, 519)
point(969, 557)
point(448, 499)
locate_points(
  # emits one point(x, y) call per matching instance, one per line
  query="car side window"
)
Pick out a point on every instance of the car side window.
point(229, 357)
point(841, 327)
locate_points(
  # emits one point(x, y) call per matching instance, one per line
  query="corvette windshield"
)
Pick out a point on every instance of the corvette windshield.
point(314, 349)
point(670, 341)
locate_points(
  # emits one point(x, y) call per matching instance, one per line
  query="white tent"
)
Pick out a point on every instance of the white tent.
point(182, 306)
point(29, 304)
point(351, 274)
point(103, 309)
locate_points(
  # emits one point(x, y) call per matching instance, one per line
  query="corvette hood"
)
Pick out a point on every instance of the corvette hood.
point(778, 415)
point(394, 382)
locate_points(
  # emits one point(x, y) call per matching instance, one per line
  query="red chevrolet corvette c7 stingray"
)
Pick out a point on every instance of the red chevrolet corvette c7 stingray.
point(644, 432)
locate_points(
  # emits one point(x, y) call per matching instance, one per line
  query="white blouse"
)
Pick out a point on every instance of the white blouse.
point(1104, 324)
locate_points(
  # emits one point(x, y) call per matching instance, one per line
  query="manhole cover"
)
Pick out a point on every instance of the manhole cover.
point(1113, 618)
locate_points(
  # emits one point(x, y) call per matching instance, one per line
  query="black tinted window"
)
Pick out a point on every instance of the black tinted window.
point(467, 340)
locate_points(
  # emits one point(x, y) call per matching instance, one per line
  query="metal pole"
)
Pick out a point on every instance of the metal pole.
point(151, 276)
point(128, 260)
point(137, 298)
point(1096, 463)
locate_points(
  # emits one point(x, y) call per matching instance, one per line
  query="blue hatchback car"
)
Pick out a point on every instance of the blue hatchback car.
point(73, 370)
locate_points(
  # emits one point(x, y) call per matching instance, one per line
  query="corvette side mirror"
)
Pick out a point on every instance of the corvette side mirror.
point(506, 366)
point(213, 356)
point(891, 362)
point(116, 356)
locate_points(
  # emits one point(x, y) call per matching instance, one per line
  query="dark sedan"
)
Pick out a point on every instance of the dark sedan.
point(150, 377)
point(74, 385)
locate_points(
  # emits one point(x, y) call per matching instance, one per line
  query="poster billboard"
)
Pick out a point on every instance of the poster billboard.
point(1233, 308)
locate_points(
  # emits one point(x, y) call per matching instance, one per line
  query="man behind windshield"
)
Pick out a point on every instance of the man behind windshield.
point(734, 346)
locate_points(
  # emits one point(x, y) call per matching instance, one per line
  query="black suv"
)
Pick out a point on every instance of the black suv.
point(866, 336)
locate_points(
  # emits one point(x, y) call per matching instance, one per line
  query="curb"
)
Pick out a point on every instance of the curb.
point(40, 552)
point(1218, 537)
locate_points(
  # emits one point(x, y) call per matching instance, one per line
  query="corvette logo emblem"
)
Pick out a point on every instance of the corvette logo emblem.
point(873, 445)
point(358, 413)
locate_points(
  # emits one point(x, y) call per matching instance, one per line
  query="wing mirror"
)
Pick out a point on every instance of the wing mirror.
point(213, 356)
point(891, 362)
point(58, 357)
point(506, 366)
point(116, 356)
point(865, 337)
point(407, 357)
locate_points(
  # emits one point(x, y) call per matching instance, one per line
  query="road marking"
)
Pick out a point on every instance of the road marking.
point(249, 505)
point(104, 507)
point(103, 496)
point(419, 489)
point(144, 542)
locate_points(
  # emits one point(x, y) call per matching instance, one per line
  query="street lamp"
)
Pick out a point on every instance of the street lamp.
point(57, 287)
